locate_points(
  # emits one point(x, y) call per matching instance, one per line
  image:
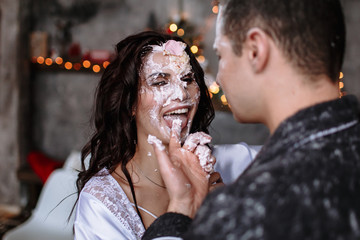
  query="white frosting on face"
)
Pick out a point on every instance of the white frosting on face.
point(179, 65)
point(166, 75)
point(179, 60)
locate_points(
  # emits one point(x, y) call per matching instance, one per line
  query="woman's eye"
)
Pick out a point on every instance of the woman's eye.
point(158, 83)
point(188, 80)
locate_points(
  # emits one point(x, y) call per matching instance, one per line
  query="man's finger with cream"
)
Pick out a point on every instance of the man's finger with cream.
point(205, 158)
point(177, 184)
point(195, 139)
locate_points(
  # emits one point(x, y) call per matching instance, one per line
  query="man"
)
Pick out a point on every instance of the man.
point(279, 63)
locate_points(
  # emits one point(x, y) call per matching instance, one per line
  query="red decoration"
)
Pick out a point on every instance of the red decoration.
point(97, 56)
point(42, 165)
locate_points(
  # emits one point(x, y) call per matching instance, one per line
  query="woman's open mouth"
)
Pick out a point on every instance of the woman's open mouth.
point(179, 113)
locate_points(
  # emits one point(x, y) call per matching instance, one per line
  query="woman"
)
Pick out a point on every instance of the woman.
point(153, 87)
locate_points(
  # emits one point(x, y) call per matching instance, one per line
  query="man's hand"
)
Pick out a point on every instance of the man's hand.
point(215, 181)
point(186, 181)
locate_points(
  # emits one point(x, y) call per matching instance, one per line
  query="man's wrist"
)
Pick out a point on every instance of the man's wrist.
point(182, 207)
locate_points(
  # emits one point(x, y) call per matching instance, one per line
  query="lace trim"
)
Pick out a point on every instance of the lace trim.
point(105, 188)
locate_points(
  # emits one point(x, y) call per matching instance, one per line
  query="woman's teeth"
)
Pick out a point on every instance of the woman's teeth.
point(178, 111)
point(178, 115)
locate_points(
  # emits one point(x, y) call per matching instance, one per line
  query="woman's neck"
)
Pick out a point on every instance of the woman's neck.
point(146, 165)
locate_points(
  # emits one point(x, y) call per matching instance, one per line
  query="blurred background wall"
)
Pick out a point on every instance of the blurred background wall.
point(47, 108)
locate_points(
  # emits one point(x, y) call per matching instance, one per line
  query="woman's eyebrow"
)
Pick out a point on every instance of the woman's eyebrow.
point(162, 74)
point(189, 74)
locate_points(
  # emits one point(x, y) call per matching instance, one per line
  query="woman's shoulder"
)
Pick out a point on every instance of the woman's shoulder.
point(106, 191)
point(105, 188)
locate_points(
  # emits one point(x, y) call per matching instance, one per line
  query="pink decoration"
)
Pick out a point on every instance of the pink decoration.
point(174, 47)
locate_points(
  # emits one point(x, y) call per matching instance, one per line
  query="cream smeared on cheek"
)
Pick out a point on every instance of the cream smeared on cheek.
point(176, 91)
point(179, 64)
point(174, 88)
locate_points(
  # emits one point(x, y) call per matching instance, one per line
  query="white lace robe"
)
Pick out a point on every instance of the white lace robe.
point(104, 211)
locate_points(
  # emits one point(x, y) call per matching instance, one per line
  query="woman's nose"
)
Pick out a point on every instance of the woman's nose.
point(181, 93)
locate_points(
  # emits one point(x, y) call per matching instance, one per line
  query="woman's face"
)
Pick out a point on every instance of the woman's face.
point(168, 91)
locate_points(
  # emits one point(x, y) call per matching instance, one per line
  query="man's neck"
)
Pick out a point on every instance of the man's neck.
point(297, 95)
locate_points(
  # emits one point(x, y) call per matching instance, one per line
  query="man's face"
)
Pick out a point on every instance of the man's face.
point(234, 76)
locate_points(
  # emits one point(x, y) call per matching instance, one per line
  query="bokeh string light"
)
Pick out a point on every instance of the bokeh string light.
point(59, 64)
point(342, 92)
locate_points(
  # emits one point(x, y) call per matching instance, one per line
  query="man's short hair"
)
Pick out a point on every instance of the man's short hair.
point(311, 33)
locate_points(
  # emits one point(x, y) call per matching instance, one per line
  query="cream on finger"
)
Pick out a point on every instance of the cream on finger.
point(195, 139)
point(205, 158)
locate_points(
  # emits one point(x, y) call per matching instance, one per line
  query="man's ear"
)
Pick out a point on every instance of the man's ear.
point(257, 43)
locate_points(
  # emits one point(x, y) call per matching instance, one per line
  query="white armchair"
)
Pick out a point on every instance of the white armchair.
point(233, 159)
point(49, 219)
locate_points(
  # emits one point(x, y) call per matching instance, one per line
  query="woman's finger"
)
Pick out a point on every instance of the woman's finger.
point(175, 142)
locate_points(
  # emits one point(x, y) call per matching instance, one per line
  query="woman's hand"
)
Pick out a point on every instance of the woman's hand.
point(186, 181)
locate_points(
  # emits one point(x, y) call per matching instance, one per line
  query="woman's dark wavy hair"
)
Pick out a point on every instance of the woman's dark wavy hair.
point(114, 139)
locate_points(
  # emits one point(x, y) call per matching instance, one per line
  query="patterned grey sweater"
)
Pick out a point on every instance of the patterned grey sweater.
point(303, 184)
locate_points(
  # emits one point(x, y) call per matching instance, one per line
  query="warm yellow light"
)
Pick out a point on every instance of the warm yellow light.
point(211, 95)
point(201, 59)
point(223, 99)
point(77, 66)
point(59, 60)
point(86, 64)
point(173, 27)
point(341, 85)
point(48, 61)
point(96, 68)
point(214, 88)
point(40, 60)
point(341, 75)
point(68, 65)
point(180, 32)
point(105, 64)
point(215, 9)
point(194, 49)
